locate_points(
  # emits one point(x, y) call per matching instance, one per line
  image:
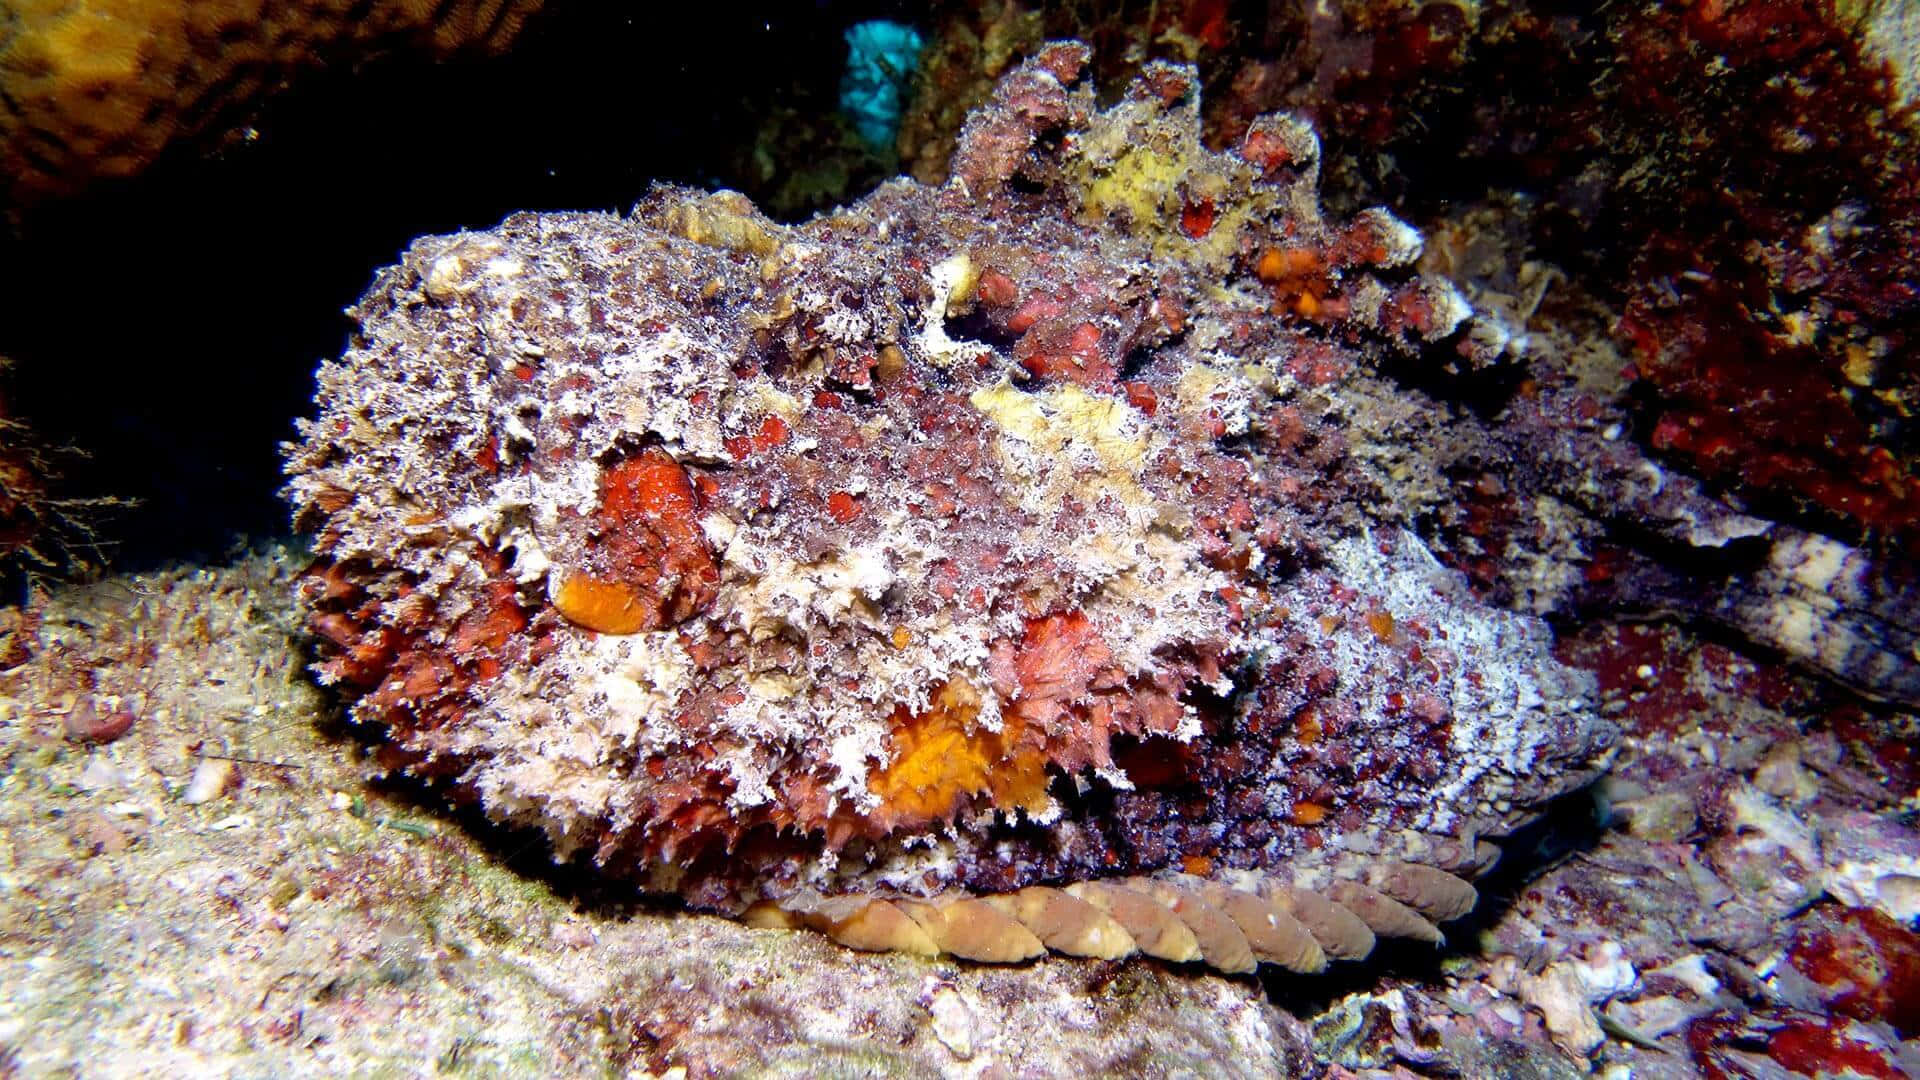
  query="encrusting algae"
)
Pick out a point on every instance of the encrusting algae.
point(949, 573)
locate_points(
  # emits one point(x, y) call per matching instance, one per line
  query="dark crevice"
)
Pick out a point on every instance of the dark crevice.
point(1438, 371)
point(1566, 828)
point(978, 326)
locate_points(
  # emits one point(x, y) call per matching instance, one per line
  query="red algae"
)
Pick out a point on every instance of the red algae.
point(1866, 965)
point(1805, 1043)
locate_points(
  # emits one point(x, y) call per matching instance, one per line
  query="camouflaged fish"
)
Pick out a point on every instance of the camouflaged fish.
point(980, 569)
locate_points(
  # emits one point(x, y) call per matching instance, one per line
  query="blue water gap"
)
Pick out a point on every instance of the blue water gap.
point(882, 56)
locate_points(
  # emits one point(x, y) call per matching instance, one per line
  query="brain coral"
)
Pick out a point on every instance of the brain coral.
point(969, 541)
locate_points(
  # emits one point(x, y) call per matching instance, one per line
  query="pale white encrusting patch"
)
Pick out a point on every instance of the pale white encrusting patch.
point(947, 276)
point(1485, 663)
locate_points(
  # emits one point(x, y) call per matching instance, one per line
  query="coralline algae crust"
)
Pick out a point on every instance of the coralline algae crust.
point(966, 540)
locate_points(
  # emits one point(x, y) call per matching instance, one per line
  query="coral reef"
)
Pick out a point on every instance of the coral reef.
point(1788, 302)
point(1735, 179)
point(1103, 551)
point(969, 539)
point(1549, 505)
point(93, 90)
